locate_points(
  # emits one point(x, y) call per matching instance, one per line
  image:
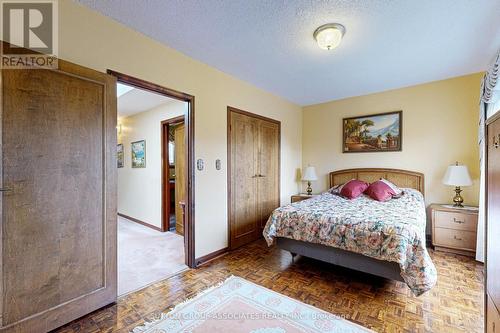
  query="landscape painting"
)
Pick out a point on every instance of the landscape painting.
point(139, 154)
point(373, 133)
point(119, 155)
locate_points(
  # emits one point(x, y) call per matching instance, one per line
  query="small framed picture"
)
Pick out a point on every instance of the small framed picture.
point(138, 154)
point(119, 155)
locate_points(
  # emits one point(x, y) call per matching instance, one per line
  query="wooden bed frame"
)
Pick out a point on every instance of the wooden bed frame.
point(359, 262)
point(401, 178)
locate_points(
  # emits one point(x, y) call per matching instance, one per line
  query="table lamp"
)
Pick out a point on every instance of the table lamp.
point(457, 175)
point(309, 175)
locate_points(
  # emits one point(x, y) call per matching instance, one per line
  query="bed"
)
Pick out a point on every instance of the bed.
point(386, 239)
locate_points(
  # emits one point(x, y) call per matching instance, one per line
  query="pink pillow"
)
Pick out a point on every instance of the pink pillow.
point(353, 189)
point(396, 189)
point(337, 188)
point(380, 191)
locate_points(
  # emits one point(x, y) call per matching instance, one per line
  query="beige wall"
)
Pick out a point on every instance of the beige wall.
point(139, 189)
point(439, 127)
point(93, 40)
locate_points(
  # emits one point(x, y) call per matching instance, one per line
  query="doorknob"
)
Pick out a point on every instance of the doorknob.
point(5, 189)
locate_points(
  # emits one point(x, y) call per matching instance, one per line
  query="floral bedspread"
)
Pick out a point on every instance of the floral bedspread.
point(393, 230)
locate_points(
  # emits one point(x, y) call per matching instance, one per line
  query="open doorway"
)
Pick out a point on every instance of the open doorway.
point(174, 169)
point(155, 231)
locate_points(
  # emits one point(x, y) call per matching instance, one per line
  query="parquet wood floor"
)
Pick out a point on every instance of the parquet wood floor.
point(455, 304)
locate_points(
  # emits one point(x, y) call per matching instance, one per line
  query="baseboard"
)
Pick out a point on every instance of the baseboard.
point(211, 256)
point(133, 219)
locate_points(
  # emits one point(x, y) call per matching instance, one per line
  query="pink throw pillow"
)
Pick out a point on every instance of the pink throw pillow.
point(353, 189)
point(396, 189)
point(380, 191)
point(337, 188)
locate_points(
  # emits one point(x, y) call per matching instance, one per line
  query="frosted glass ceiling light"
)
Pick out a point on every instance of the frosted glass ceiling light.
point(329, 36)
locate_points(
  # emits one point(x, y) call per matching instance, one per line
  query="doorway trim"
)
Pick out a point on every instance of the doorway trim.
point(165, 166)
point(189, 239)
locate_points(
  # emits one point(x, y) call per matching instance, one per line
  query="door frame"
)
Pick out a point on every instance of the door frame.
point(189, 239)
point(231, 110)
point(165, 170)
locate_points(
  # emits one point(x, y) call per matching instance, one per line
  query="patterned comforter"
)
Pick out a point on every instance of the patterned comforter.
point(393, 230)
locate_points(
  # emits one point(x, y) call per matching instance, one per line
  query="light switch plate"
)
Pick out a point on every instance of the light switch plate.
point(200, 164)
point(217, 164)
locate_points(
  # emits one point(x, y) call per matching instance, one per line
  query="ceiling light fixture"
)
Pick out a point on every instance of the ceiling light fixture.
point(329, 36)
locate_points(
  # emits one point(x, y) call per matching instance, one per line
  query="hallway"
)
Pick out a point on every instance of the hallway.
point(146, 255)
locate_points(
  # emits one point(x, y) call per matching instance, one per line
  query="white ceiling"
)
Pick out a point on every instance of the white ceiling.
point(388, 44)
point(137, 100)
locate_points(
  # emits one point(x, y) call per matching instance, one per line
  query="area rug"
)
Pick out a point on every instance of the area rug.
point(237, 305)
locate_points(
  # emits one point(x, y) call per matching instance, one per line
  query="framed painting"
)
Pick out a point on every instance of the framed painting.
point(119, 155)
point(373, 133)
point(139, 154)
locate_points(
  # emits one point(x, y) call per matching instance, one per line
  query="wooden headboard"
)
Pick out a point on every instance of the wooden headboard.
point(401, 178)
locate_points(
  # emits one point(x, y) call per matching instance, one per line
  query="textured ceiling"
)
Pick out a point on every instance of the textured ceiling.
point(388, 43)
point(137, 100)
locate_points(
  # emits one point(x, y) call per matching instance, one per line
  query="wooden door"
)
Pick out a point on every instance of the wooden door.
point(253, 149)
point(59, 211)
point(492, 317)
point(268, 187)
point(493, 214)
point(180, 175)
point(243, 181)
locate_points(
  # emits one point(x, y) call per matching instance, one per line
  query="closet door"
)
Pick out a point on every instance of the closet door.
point(268, 186)
point(243, 150)
point(493, 222)
point(254, 174)
point(58, 221)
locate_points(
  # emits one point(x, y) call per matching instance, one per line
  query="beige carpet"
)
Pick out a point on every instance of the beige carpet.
point(146, 255)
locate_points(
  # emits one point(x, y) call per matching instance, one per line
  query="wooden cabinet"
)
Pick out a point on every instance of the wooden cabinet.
point(254, 174)
point(300, 197)
point(493, 226)
point(454, 229)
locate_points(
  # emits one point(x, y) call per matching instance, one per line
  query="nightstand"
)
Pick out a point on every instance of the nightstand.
point(301, 196)
point(454, 229)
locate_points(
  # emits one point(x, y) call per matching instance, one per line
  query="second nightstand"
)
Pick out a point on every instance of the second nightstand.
point(301, 196)
point(454, 229)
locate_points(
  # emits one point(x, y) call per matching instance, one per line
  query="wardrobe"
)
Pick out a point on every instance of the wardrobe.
point(492, 287)
point(253, 174)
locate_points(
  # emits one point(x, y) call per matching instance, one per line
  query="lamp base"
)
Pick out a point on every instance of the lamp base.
point(458, 200)
point(309, 189)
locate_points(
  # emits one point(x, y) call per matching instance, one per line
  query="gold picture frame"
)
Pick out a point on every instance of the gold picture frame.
point(381, 132)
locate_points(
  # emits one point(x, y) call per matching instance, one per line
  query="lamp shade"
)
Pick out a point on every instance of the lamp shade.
point(309, 174)
point(457, 175)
